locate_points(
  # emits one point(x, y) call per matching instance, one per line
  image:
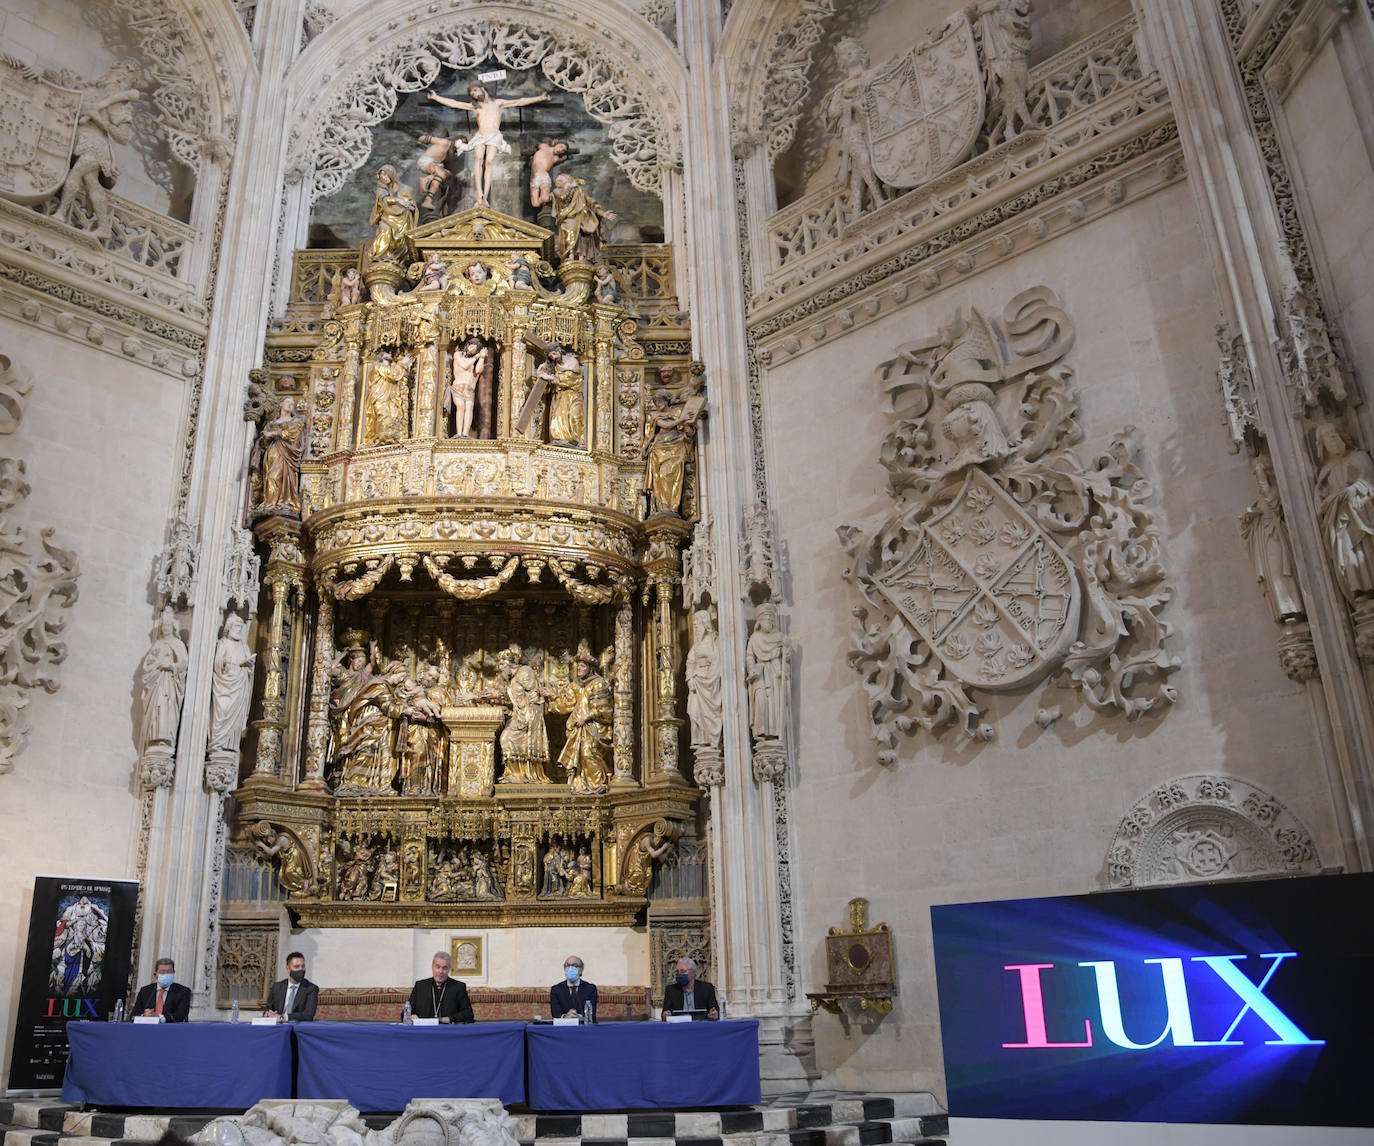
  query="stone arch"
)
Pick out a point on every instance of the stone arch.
point(1208, 826)
point(625, 70)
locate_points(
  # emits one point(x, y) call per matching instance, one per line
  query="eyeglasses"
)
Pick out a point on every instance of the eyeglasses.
point(567, 965)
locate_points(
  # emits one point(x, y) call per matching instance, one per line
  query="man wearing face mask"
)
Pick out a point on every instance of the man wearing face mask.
point(293, 999)
point(688, 993)
point(575, 994)
point(166, 999)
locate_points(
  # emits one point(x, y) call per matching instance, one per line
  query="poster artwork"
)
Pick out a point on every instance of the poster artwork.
point(76, 967)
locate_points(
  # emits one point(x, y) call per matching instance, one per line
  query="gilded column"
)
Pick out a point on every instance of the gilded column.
point(603, 436)
point(623, 721)
point(666, 721)
point(317, 725)
point(352, 384)
point(268, 763)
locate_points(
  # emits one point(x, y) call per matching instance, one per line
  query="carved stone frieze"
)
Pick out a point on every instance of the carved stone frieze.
point(175, 579)
point(760, 569)
point(1008, 557)
point(1207, 827)
point(241, 571)
point(699, 565)
point(642, 141)
point(40, 585)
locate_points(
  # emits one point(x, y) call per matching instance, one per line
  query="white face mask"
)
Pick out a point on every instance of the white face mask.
point(572, 973)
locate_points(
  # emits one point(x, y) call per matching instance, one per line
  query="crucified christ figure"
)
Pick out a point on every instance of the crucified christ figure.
point(488, 141)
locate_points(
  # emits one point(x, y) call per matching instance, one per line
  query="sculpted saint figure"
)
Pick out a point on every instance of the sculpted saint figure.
point(107, 117)
point(702, 669)
point(292, 870)
point(845, 114)
point(1345, 501)
point(433, 274)
point(423, 734)
point(580, 876)
point(387, 418)
point(367, 754)
point(562, 373)
point(488, 142)
point(525, 738)
point(1005, 27)
point(1262, 527)
point(667, 446)
point(277, 458)
point(162, 684)
point(231, 687)
point(639, 864)
point(351, 287)
point(542, 162)
point(485, 885)
point(586, 698)
point(471, 369)
point(765, 666)
point(393, 214)
point(580, 220)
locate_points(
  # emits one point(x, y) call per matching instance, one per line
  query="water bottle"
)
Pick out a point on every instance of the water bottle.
point(588, 1016)
point(118, 1014)
point(405, 1012)
point(234, 1012)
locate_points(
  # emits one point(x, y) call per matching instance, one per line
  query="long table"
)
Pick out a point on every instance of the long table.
point(215, 1066)
point(619, 1066)
point(382, 1066)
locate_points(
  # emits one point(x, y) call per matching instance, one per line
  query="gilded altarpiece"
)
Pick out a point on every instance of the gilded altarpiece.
point(473, 478)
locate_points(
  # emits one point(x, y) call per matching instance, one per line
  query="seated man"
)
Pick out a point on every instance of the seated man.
point(167, 999)
point(293, 999)
point(574, 996)
point(688, 993)
point(440, 997)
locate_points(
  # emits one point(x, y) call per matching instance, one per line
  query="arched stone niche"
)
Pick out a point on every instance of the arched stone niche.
point(1205, 827)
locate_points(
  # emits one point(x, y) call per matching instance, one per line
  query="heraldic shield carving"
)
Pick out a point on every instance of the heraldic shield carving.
point(924, 108)
point(1007, 557)
point(37, 130)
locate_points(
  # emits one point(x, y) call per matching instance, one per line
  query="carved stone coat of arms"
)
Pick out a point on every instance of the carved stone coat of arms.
point(37, 129)
point(1006, 557)
point(923, 109)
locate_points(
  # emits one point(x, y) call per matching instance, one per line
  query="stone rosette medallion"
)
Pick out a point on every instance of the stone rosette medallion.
point(1007, 557)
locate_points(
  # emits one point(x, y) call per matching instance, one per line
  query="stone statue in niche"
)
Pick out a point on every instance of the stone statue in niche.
point(668, 442)
point(421, 734)
point(293, 869)
point(525, 738)
point(1345, 501)
point(472, 373)
point(357, 864)
point(1005, 27)
point(393, 215)
point(231, 686)
point(366, 756)
point(703, 681)
point(1263, 529)
point(844, 114)
point(580, 221)
point(107, 117)
point(162, 684)
point(766, 665)
point(277, 459)
point(546, 155)
point(654, 844)
point(586, 698)
point(562, 371)
point(387, 416)
point(434, 172)
point(488, 142)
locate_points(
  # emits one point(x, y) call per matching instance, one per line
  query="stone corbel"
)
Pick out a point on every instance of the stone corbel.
point(1310, 32)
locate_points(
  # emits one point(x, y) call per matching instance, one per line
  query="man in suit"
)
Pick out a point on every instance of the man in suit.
point(440, 997)
point(166, 998)
point(293, 999)
point(574, 995)
point(688, 993)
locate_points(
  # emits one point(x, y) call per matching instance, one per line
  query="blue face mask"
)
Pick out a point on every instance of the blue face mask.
point(572, 973)
point(165, 980)
point(683, 978)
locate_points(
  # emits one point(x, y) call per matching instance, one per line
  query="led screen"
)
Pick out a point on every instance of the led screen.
point(1237, 1003)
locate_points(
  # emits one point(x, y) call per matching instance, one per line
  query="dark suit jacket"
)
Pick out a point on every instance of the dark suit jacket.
point(563, 999)
point(176, 1007)
point(453, 1001)
point(703, 995)
point(306, 1000)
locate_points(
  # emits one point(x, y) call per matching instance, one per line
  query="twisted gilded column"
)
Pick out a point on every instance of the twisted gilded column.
point(317, 723)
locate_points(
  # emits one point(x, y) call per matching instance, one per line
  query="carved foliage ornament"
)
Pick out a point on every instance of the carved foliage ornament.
point(37, 586)
point(343, 136)
point(1007, 557)
point(1207, 827)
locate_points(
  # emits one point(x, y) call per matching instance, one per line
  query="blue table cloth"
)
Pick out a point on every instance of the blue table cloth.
point(382, 1066)
point(617, 1066)
point(214, 1066)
